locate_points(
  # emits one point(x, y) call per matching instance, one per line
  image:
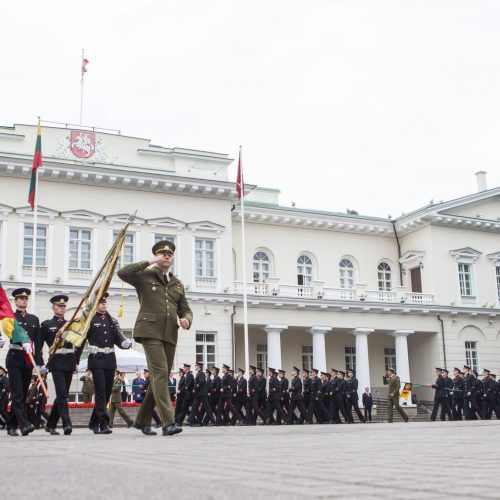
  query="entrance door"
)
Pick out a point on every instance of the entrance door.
point(416, 280)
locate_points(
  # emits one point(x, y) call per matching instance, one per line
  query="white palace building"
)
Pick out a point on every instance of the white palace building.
point(326, 289)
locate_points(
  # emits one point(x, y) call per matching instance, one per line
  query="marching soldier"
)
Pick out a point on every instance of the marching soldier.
point(261, 391)
point(208, 381)
point(215, 393)
point(394, 385)
point(253, 408)
point(458, 394)
point(188, 394)
point(103, 335)
point(62, 365)
point(20, 369)
point(115, 405)
point(87, 387)
point(157, 329)
point(352, 395)
point(181, 394)
point(448, 387)
point(241, 394)
point(274, 400)
point(200, 401)
point(226, 399)
point(316, 407)
point(479, 394)
point(342, 398)
point(4, 397)
point(296, 399)
point(489, 404)
point(284, 385)
point(306, 388)
point(469, 394)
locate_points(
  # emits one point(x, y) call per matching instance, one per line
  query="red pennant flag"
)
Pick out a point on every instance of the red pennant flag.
point(240, 186)
point(37, 162)
point(84, 66)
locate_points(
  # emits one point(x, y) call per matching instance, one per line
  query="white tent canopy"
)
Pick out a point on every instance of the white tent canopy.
point(127, 360)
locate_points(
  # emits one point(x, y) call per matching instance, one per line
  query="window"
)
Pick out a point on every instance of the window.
point(350, 357)
point(346, 273)
point(389, 357)
point(465, 279)
point(498, 280)
point(261, 267)
point(304, 270)
point(262, 356)
point(41, 245)
point(205, 349)
point(79, 248)
point(128, 255)
point(384, 277)
point(307, 357)
point(205, 258)
point(471, 355)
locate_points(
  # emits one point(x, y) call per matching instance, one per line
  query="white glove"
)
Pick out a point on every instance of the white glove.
point(2, 342)
point(43, 370)
point(126, 344)
point(27, 347)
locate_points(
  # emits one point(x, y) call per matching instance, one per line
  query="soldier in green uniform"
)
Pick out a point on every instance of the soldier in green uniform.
point(163, 308)
point(394, 384)
point(87, 387)
point(115, 403)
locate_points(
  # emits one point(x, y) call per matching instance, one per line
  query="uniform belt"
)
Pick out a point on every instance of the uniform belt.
point(106, 350)
point(16, 347)
point(65, 350)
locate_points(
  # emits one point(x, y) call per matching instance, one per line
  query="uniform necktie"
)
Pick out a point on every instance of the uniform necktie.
point(165, 277)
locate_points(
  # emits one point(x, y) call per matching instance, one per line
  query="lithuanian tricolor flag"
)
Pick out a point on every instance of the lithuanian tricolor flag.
point(10, 325)
point(37, 162)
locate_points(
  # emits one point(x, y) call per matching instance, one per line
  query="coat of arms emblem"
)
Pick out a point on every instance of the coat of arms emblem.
point(82, 143)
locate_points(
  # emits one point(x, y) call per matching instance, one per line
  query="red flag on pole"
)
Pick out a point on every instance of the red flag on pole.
point(240, 186)
point(37, 162)
point(84, 66)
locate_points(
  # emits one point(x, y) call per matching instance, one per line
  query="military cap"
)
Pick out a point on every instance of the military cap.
point(282, 371)
point(305, 370)
point(466, 367)
point(350, 370)
point(3, 369)
point(216, 369)
point(458, 369)
point(475, 372)
point(269, 369)
point(259, 369)
point(324, 373)
point(314, 370)
point(145, 370)
point(296, 369)
point(252, 367)
point(438, 369)
point(198, 363)
point(105, 295)
point(59, 300)
point(226, 367)
point(207, 370)
point(342, 373)
point(241, 370)
point(334, 370)
point(487, 371)
point(180, 370)
point(391, 370)
point(187, 365)
point(21, 293)
point(445, 370)
point(163, 246)
point(493, 375)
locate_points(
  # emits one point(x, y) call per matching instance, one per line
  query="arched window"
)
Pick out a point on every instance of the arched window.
point(346, 273)
point(384, 277)
point(304, 270)
point(261, 267)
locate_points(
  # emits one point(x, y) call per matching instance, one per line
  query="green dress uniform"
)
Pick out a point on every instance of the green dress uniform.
point(394, 384)
point(162, 302)
point(87, 389)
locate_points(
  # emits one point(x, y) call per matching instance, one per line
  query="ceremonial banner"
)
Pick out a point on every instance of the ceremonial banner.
point(37, 162)
point(10, 326)
point(405, 393)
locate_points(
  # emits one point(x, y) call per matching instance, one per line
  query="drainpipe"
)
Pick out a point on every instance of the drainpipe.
point(399, 253)
point(442, 338)
point(233, 335)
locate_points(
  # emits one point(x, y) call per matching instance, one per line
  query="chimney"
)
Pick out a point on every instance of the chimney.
point(481, 181)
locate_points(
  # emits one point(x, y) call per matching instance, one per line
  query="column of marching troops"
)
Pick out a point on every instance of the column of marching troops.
point(209, 397)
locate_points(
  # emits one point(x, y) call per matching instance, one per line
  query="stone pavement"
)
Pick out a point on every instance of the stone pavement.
point(415, 460)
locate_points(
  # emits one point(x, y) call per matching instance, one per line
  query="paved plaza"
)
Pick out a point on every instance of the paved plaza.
point(416, 460)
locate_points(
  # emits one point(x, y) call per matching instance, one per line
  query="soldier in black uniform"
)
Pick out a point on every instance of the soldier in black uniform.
point(188, 395)
point(253, 409)
point(306, 389)
point(458, 394)
point(214, 398)
point(352, 395)
point(285, 396)
point(41, 403)
point(316, 407)
point(342, 398)
point(62, 365)
point(479, 394)
point(296, 399)
point(274, 399)
point(20, 369)
point(200, 401)
point(469, 394)
point(103, 335)
point(225, 404)
point(4, 397)
point(241, 394)
point(203, 414)
point(439, 395)
point(489, 404)
point(261, 391)
point(181, 394)
point(448, 387)
point(326, 391)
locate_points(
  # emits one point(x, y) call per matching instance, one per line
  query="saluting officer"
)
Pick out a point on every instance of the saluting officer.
point(296, 399)
point(62, 365)
point(103, 335)
point(163, 308)
point(20, 369)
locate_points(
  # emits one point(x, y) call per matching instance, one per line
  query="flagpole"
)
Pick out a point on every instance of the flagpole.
point(35, 231)
point(244, 274)
point(81, 90)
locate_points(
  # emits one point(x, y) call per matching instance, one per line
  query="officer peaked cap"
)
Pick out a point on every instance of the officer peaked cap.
point(60, 300)
point(163, 246)
point(21, 292)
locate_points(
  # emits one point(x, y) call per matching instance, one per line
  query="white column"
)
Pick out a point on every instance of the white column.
point(362, 359)
point(402, 359)
point(319, 347)
point(274, 345)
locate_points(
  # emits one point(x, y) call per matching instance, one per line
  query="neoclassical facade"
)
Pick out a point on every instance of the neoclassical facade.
point(325, 289)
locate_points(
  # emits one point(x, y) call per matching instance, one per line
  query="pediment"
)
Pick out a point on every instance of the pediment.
point(495, 258)
point(168, 222)
point(5, 209)
point(82, 215)
point(123, 219)
point(206, 226)
point(42, 211)
point(466, 254)
point(411, 255)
